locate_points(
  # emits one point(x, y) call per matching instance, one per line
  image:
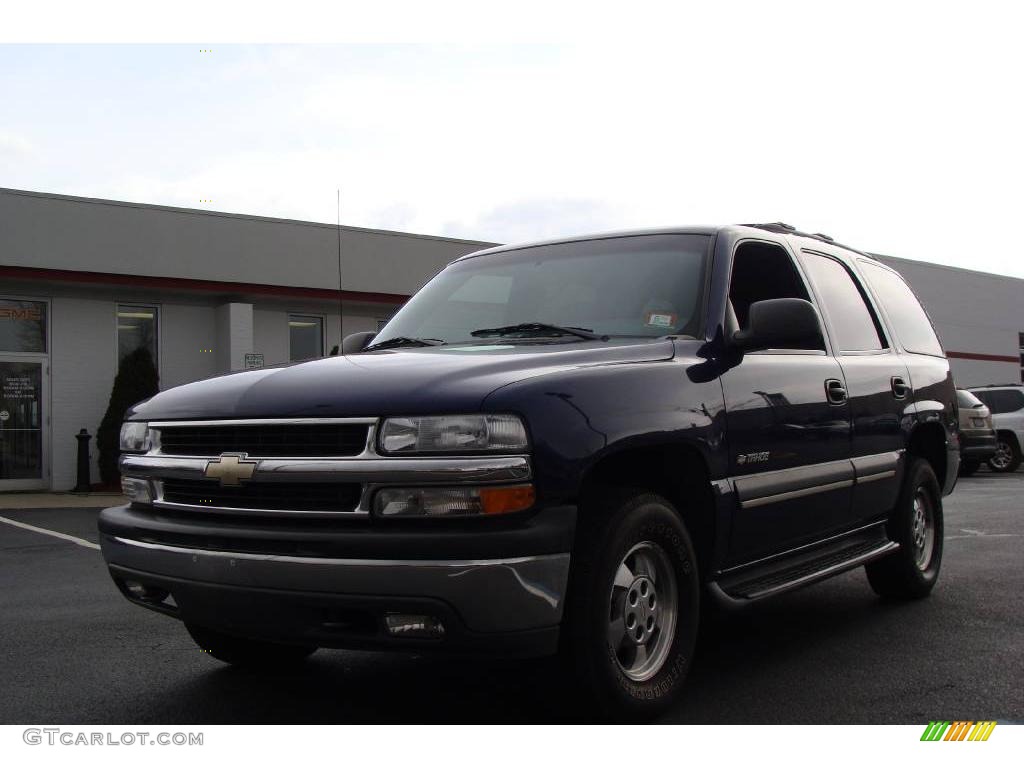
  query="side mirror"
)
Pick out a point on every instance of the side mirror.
point(780, 323)
point(356, 342)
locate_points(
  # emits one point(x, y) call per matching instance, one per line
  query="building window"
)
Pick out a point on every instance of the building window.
point(305, 337)
point(22, 326)
point(136, 329)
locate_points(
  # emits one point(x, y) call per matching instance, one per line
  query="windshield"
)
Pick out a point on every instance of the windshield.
point(639, 285)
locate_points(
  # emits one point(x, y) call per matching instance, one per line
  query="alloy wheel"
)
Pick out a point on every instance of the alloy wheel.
point(1003, 455)
point(642, 611)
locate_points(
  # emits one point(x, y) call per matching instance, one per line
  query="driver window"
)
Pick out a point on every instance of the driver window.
point(761, 271)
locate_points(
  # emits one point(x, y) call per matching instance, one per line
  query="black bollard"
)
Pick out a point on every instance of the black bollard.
point(83, 485)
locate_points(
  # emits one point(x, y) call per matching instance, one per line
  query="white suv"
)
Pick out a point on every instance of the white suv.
point(1006, 401)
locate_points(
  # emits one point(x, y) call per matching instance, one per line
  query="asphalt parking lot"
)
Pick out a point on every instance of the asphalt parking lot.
point(73, 651)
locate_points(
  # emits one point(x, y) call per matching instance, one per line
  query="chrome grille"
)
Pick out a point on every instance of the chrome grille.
point(297, 473)
point(269, 440)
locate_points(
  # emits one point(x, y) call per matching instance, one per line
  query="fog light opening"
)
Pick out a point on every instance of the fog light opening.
point(148, 594)
point(414, 626)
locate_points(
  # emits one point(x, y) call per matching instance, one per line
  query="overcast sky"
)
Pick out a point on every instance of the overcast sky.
point(907, 143)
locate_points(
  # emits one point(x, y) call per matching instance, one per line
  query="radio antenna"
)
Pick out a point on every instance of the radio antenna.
point(341, 295)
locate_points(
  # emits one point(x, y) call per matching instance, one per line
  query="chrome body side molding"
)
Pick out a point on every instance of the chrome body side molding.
point(762, 488)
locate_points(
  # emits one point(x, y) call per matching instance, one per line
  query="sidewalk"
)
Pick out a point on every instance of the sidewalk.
point(35, 500)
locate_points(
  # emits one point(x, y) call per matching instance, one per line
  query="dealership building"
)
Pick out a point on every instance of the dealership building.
point(84, 282)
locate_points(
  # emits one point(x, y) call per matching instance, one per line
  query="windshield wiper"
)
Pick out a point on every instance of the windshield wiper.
point(404, 341)
point(542, 328)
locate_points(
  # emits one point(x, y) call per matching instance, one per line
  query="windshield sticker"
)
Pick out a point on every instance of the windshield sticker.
point(661, 320)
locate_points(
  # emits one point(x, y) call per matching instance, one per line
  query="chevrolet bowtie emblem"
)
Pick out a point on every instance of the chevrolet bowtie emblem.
point(230, 468)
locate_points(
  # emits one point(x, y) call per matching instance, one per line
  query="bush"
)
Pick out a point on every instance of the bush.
point(136, 380)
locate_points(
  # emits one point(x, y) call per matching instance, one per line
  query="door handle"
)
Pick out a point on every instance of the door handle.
point(835, 391)
point(899, 387)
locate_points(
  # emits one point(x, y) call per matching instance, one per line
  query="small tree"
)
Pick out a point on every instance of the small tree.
point(136, 380)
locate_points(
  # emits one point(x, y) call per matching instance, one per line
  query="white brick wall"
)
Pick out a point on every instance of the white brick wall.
point(270, 334)
point(83, 358)
point(234, 335)
point(187, 332)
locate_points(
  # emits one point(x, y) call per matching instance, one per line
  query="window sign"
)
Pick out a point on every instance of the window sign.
point(22, 326)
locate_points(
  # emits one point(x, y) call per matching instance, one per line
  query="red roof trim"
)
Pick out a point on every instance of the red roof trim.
point(189, 284)
point(980, 356)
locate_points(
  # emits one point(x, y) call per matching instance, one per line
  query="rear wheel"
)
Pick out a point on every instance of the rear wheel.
point(245, 652)
point(1007, 457)
point(634, 605)
point(916, 525)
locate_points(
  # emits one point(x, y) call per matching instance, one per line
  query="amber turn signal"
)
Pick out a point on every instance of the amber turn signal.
point(515, 498)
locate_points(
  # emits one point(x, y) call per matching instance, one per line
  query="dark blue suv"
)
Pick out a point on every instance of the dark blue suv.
point(556, 448)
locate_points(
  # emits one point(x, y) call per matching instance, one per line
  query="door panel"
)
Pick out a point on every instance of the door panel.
point(789, 452)
point(877, 416)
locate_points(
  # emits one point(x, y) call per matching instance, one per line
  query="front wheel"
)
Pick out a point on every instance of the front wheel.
point(634, 605)
point(916, 525)
point(1007, 457)
point(245, 652)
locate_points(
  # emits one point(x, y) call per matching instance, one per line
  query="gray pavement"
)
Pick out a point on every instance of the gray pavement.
point(72, 650)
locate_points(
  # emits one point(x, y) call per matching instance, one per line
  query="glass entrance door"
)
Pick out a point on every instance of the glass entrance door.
point(24, 395)
point(21, 425)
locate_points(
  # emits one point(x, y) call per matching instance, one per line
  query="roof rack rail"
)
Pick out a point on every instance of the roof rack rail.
point(780, 227)
point(774, 226)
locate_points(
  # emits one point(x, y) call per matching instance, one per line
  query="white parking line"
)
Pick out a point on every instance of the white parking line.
point(970, 533)
point(46, 531)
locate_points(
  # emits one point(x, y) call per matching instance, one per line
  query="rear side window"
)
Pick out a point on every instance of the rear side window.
point(966, 400)
point(852, 322)
point(908, 317)
point(1002, 400)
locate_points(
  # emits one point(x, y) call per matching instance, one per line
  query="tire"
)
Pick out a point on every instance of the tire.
point(1007, 458)
point(968, 467)
point(916, 525)
point(244, 652)
point(634, 577)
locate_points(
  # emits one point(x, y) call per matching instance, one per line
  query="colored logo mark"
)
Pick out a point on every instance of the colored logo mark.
point(958, 730)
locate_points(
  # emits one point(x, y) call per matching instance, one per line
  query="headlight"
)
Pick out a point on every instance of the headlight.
point(453, 434)
point(135, 436)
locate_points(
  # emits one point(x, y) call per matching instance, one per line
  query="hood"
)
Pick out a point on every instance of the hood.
point(386, 383)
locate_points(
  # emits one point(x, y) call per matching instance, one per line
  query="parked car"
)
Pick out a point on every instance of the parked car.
point(556, 448)
point(977, 435)
point(1006, 401)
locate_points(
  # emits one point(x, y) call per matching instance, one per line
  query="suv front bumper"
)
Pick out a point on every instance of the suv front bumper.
point(334, 591)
